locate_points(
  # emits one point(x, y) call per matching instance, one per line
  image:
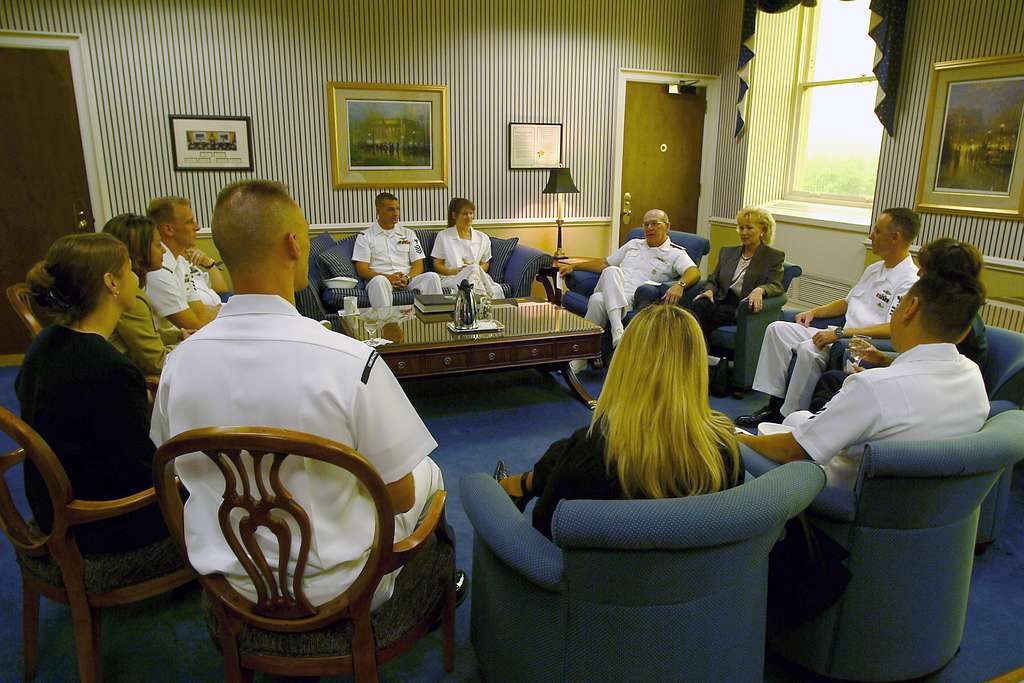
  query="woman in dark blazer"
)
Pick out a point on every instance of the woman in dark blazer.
point(746, 274)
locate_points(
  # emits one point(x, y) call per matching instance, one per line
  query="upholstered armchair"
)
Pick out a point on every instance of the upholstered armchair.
point(742, 342)
point(909, 526)
point(581, 283)
point(639, 590)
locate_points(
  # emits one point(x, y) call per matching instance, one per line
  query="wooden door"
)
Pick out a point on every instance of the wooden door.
point(661, 147)
point(42, 169)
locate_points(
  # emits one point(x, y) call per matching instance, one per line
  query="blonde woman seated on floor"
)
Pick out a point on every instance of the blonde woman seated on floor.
point(462, 253)
point(653, 434)
point(141, 334)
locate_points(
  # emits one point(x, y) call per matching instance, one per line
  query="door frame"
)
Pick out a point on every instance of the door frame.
point(88, 117)
point(712, 84)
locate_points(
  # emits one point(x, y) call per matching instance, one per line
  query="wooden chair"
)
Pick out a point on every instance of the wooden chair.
point(52, 566)
point(342, 635)
point(20, 297)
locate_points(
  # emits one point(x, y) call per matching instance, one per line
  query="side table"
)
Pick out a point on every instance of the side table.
point(548, 277)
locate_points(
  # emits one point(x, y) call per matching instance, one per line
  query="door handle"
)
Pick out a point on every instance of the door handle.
point(83, 221)
point(627, 207)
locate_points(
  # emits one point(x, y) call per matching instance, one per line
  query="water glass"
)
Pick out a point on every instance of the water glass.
point(859, 345)
point(483, 306)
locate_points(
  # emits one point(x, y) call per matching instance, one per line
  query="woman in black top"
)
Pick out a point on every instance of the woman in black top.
point(85, 399)
point(653, 434)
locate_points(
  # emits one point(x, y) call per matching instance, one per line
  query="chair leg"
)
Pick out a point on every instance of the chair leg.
point(29, 630)
point(87, 627)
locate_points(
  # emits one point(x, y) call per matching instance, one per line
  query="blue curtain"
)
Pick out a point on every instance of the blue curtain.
point(888, 18)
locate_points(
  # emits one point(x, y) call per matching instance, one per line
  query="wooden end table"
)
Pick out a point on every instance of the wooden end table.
point(537, 335)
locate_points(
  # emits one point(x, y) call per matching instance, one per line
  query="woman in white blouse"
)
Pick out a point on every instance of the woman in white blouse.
point(462, 253)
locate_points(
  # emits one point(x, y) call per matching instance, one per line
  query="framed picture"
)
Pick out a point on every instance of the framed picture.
point(972, 161)
point(534, 145)
point(386, 135)
point(211, 143)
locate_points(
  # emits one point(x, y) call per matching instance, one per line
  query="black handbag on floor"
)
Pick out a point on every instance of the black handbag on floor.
point(720, 379)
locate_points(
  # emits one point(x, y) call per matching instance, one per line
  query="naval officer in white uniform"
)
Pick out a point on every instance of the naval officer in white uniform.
point(652, 258)
point(261, 363)
point(867, 308)
point(390, 257)
point(929, 392)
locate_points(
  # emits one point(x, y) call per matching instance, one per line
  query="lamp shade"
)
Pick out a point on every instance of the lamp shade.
point(560, 182)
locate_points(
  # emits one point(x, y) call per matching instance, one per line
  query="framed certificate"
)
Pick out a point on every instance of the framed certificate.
point(534, 145)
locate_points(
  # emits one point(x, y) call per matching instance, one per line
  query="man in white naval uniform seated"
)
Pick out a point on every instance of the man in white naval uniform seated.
point(929, 392)
point(261, 363)
point(178, 290)
point(867, 308)
point(390, 257)
point(652, 258)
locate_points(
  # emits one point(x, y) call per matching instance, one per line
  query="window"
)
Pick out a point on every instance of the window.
point(837, 136)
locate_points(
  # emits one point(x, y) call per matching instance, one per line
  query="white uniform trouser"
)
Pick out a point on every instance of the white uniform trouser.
point(426, 479)
point(379, 288)
point(781, 339)
point(479, 278)
point(609, 301)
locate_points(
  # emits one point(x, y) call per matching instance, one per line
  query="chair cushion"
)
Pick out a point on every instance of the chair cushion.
point(501, 252)
point(337, 261)
point(418, 591)
point(108, 571)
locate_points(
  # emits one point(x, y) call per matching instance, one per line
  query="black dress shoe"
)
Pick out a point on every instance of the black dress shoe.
point(461, 586)
point(766, 414)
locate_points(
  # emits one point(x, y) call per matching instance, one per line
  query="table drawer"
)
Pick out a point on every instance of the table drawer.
point(447, 361)
point(481, 359)
point(404, 365)
point(578, 348)
point(533, 352)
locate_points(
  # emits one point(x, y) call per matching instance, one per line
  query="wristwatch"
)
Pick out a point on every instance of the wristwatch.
point(213, 264)
point(839, 332)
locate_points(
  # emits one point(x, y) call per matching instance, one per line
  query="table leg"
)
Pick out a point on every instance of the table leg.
point(577, 387)
point(553, 293)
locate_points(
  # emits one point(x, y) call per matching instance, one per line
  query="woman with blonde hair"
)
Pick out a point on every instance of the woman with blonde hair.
point(653, 434)
point(141, 334)
point(86, 399)
point(745, 274)
point(463, 253)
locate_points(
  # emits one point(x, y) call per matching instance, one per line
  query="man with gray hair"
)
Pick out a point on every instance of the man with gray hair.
point(261, 363)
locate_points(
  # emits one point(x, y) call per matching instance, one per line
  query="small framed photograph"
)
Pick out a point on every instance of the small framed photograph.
point(211, 143)
point(534, 145)
point(972, 161)
point(388, 135)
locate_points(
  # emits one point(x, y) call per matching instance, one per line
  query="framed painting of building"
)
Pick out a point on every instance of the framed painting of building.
point(387, 135)
point(211, 143)
point(972, 160)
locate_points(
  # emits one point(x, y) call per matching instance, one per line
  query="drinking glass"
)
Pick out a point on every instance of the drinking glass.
point(371, 321)
point(859, 345)
point(483, 306)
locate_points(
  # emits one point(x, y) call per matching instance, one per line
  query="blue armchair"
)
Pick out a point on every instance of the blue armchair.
point(581, 284)
point(321, 302)
point(629, 590)
point(742, 342)
point(910, 527)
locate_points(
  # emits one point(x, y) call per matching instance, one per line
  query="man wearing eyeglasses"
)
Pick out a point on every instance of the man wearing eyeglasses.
point(651, 259)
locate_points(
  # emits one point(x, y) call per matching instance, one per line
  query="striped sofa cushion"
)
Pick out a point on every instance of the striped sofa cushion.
point(501, 252)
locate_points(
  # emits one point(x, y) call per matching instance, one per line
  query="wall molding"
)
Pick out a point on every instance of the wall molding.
point(1003, 265)
point(542, 223)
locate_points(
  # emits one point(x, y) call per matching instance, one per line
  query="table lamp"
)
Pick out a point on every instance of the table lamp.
point(560, 183)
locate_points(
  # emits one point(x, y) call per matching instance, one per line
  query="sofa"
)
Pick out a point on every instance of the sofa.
point(514, 266)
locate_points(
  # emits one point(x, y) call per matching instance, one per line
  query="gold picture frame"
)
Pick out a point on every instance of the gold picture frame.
point(972, 156)
point(388, 135)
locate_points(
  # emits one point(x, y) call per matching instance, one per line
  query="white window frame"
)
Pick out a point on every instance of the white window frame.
point(801, 93)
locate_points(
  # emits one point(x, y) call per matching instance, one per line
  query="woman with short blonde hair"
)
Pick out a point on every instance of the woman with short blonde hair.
point(653, 434)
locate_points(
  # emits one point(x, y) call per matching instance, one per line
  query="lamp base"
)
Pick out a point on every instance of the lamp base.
point(559, 254)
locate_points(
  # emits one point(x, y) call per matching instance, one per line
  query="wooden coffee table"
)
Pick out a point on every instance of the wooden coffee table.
point(537, 335)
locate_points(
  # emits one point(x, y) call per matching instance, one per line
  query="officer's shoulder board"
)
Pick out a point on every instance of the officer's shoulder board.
point(676, 246)
point(369, 366)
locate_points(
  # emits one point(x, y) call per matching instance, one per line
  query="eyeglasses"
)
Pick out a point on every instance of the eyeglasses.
point(651, 224)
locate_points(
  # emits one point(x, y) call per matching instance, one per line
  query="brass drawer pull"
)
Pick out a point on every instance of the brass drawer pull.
point(401, 365)
point(447, 360)
point(534, 351)
point(575, 348)
point(491, 356)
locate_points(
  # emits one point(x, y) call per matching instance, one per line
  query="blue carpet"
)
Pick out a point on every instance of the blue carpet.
point(476, 420)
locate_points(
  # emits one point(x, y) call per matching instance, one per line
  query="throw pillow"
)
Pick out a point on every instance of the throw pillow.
point(501, 252)
point(337, 261)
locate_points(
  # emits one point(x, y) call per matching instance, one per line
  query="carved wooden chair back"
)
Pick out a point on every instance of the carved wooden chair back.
point(61, 545)
point(20, 297)
point(250, 460)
